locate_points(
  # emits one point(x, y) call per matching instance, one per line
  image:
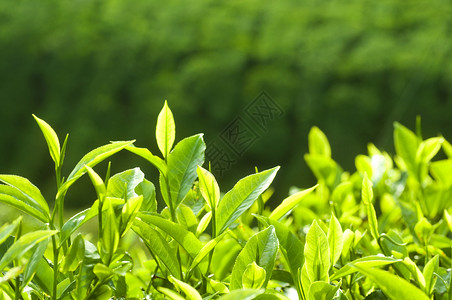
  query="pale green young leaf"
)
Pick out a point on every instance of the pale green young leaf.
point(186, 217)
point(261, 248)
point(242, 294)
point(304, 280)
point(335, 239)
point(209, 187)
point(22, 194)
point(75, 255)
point(318, 142)
point(158, 246)
point(290, 245)
point(147, 190)
point(428, 149)
point(190, 292)
point(8, 229)
point(441, 171)
point(33, 263)
point(317, 254)
point(10, 275)
point(367, 196)
point(123, 184)
point(23, 244)
point(253, 276)
point(241, 197)
point(182, 164)
point(406, 144)
point(77, 220)
point(394, 287)
point(165, 131)
point(170, 293)
point(324, 169)
point(429, 270)
point(51, 138)
point(129, 212)
point(320, 290)
point(367, 261)
point(102, 272)
point(110, 233)
point(184, 237)
point(206, 249)
point(147, 155)
point(98, 183)
point(448, 219)
point(203, 223)
point(447, 148)
point(91, 159)
point(289, 203)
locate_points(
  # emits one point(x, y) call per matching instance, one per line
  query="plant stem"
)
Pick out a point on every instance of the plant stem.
point(55, 268)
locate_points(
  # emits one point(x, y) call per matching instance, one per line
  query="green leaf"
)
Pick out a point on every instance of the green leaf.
point(182, 164)
point(129, 212)
point(98, 183)
point(317, 254)
point(23, 244)
point(33, 263)
point(367, 196)
point(91, 159)
point(289, 203)
point(253, 277)
point(110, 233)
point(335, 239)
point(441, 171)
point(157, 244)
point(242, 294)
point(367, 261)
point(184, 237)
point(241, 197)
point(147, 190)
point(75, 255)
point(165, 131)
point(206, 249)
point(204, 222)
point(51, 138)
point(290, 245)
point(393, 286)
point(261, 248)
point(186, 217)
point(10, 275)
point(428, 149)
point(320, 290)
point(7, 230)
point(190, 292)
point(325, 169)
point(123, 184)
point(102, 272)
point(147, 155)
point(318, 142)
point(429, 270)
point(170, 293)
point(20, 193)
point(209, 187)
point(78, 220)
point(406, 144)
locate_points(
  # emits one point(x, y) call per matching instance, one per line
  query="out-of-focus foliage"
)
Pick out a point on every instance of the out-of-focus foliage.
point(101, 69)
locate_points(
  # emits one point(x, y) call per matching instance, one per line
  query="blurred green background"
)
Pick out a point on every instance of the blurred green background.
point(101, 70)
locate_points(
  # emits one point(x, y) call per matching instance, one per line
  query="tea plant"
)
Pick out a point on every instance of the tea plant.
point(382, 232)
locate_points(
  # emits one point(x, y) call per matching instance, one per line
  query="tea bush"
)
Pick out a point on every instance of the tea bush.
point(382, 232)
